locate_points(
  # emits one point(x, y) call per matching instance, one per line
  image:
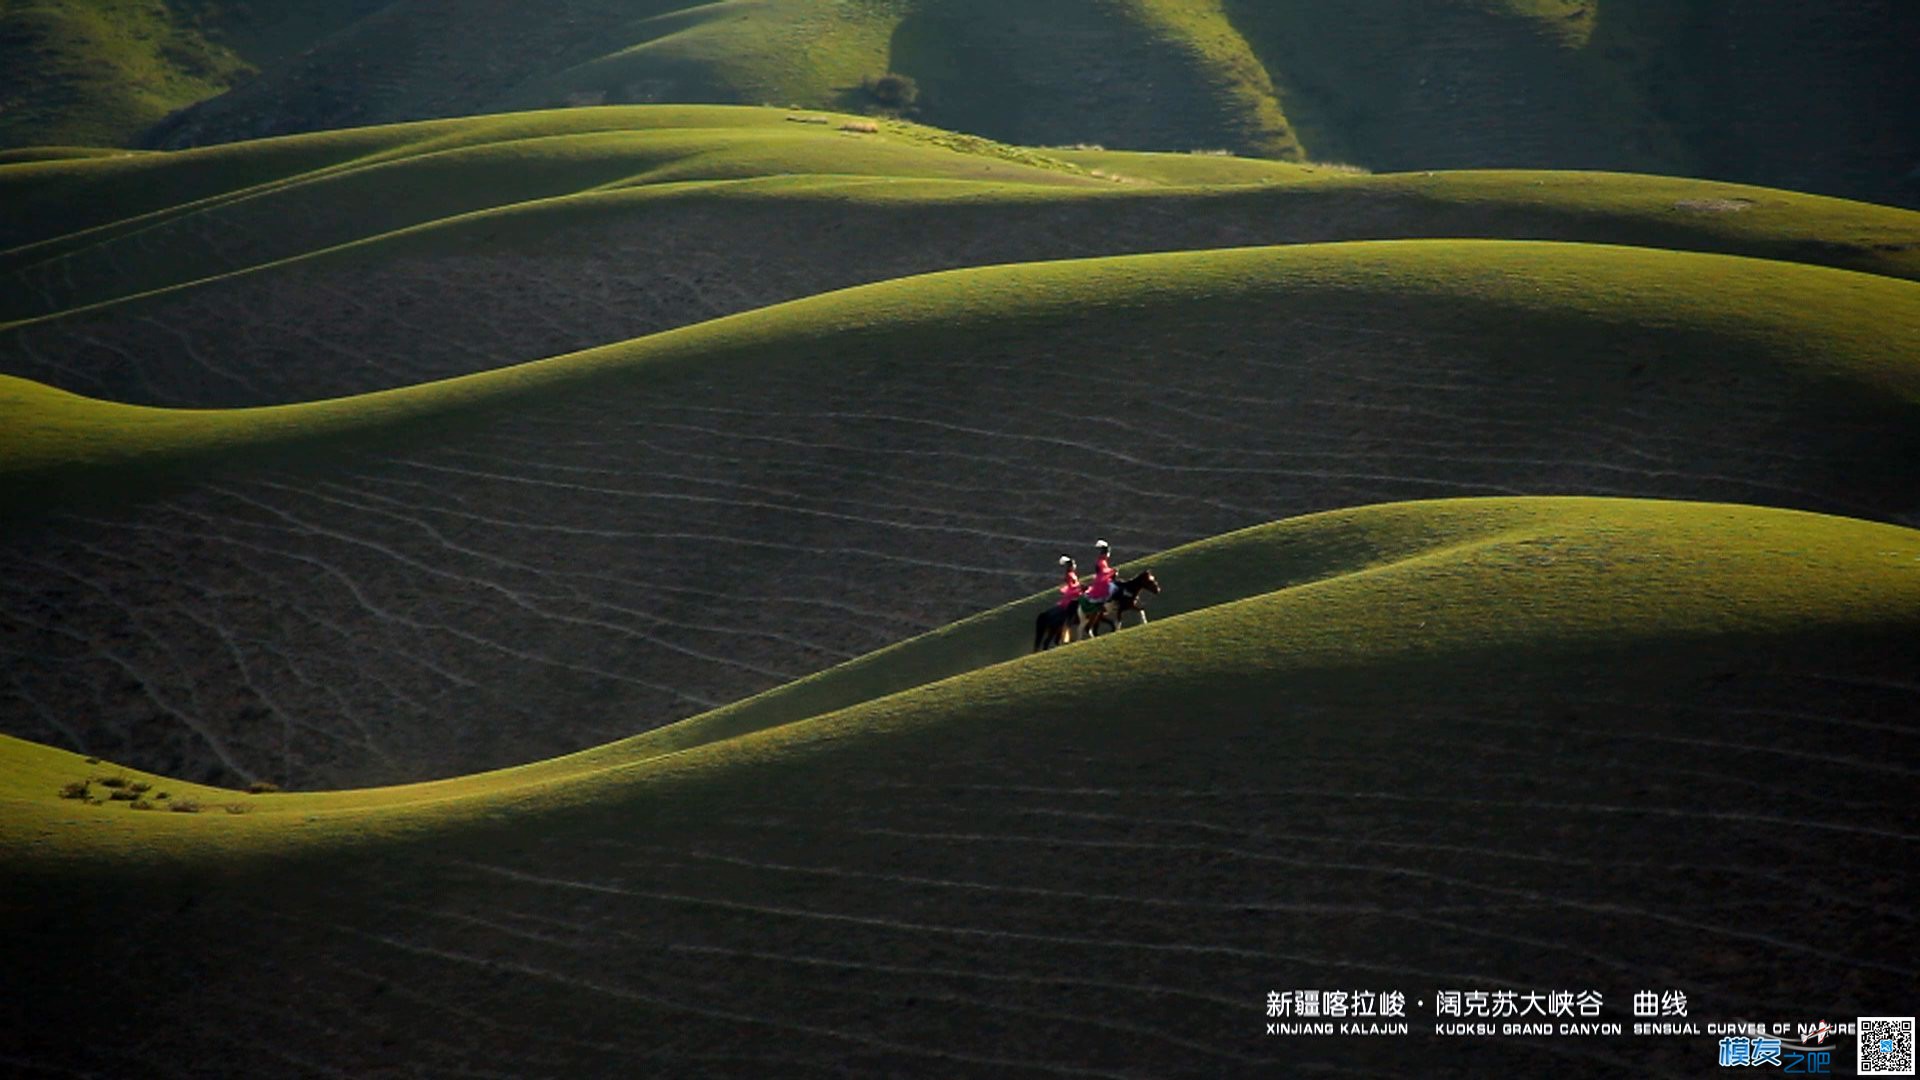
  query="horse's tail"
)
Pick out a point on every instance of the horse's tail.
point(1040, 631)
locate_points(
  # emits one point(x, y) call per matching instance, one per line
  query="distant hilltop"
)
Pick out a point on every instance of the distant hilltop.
point(1821, 98)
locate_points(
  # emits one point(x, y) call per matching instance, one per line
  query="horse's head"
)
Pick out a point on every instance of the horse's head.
point(1148, 582)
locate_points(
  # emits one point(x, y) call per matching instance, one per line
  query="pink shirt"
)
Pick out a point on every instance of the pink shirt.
point(1069, 588)
point(1102, 580)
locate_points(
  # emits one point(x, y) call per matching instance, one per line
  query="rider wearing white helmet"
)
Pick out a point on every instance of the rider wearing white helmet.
point(1070, 590)
point(1103, 574)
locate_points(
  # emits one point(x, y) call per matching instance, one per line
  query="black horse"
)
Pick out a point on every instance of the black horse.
point(1055, 626)
point(1124, 598)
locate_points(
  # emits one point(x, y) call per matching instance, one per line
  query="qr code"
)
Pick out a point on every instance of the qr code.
point(1886, 1046)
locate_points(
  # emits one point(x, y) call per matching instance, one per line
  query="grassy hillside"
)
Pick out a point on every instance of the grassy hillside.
point(1523, 742)
point(1812, 98)
point(102, 72)
point(318, 266)
point(1777, 93)
point(1162, 73)
point(461, 574)
point(1840, 334)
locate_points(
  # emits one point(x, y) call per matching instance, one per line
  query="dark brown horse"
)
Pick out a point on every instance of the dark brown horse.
point(1055, 626)
point(1124, 598)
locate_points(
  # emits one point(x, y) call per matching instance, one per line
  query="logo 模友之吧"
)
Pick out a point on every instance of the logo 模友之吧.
point(1770, 1052)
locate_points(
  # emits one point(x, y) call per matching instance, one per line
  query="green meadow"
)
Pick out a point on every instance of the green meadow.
point(491, 588)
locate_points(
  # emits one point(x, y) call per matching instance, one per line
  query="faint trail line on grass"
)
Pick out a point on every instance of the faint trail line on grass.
point(671, 1005)
point(475, 639)
point(587, 948)
point(885, 523)
point(524, 600)
point(1063, 894)
point(47, 716)
point(439, 1004)
point(1370, 868)
point(1522, 804)
point(893, 925)
point(190, 722)
point(1710, 744)
point(1636, 768)
point(338, 575)
point(1157, 990)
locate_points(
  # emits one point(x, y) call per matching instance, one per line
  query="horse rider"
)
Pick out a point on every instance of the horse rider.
point(1101, 590)
point(1070, 588)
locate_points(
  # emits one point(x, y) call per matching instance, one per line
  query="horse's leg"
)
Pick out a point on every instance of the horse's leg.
point(1047, 629)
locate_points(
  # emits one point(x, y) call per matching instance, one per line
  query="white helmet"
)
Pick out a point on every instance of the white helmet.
point(1066, 560)
point(1102, 545)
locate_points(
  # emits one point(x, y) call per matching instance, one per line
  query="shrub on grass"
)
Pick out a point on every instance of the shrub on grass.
point(893, 91)
point(185, 806)
point(262, 787)
point(75, 790)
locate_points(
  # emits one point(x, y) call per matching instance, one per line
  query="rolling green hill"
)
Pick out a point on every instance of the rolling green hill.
point(525, 561)
point(550, 592)
point(1776, 93)
point(1516, 743)
point(102, 72)
point(317, 266)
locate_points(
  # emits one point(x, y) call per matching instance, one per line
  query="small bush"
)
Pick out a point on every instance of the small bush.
point(185, 806)
point(239, 808)
point(139, 804)
point(892, 91)
point(122, 796)
point(113, 781)
point(75, 790)
point(262, 787)
point(139, 787)
point(861, 127)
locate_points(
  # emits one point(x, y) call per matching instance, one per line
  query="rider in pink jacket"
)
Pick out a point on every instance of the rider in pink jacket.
point(1103, 573)
point(1069, 584)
